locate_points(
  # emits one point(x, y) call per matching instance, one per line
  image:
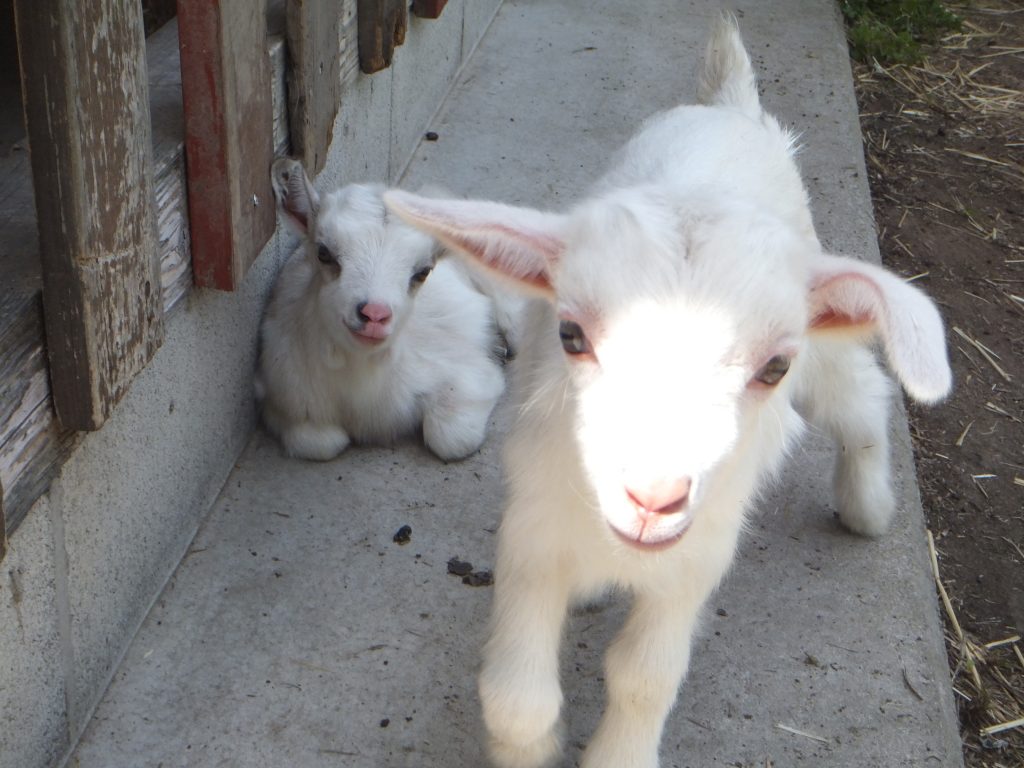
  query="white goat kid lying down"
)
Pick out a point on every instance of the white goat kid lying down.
point(689, 309)
point(367, 335)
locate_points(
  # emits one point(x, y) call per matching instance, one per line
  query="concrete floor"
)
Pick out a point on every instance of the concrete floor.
point(297, 633)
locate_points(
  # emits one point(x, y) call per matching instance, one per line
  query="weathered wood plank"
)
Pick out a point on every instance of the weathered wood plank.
point(23, 379)
point(382, 27)
point(279, 87)
point(32, 444)
point(20, 274)
point(163, 64)
point(349, 43)
point(42, 448)
point(87, 113)
point(428, 9)
point(163, 59)
point(322, 55)
point(228, 144)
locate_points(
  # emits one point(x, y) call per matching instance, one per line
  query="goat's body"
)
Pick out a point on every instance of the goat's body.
point(554, 550)
point(706, 151)
point(439, 370)
point(695, 312)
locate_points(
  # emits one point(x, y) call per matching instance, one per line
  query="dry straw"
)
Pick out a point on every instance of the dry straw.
point(993, 689)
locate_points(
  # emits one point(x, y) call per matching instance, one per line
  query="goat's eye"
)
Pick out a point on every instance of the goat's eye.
point(421, 276)
point(574, 341)
point(773, 371)
point(324, 254)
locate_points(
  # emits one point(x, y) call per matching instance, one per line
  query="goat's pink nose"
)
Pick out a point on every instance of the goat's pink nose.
point(662, 496)
point(374, 313)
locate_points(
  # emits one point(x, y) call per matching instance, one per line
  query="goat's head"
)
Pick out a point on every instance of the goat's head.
point(682, 324)
point(369, 265)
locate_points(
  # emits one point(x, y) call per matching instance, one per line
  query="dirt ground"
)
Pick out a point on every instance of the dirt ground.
point(945, 150)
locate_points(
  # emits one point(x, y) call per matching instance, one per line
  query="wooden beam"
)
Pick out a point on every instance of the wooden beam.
point(33, 445)
point(314, 77)
point(382, 26)
point(225, 81)
point(87, 113)
point(428, 9)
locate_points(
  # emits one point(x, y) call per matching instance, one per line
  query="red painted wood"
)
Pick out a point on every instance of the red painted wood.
point(225, 83)
point(382, 26)
point(428, 9)
point(203, 94)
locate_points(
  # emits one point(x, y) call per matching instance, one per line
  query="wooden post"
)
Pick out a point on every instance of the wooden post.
point(428, 9)
point(314, 77)
point(86, 100)
point(382, 25)
point(225, 83)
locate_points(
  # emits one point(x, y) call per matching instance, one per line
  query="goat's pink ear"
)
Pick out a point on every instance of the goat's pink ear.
point(294, 193)
point(852, 297)
point(518, 244)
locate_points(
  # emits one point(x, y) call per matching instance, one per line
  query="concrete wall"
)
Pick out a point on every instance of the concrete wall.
point(95, 552)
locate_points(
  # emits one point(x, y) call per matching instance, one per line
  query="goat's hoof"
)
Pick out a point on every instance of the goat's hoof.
point(868, 524)
point(535, 754)
point(454, 447)
point(314, 442)
point(865, 499)
point(869, 514)
point(521, 716)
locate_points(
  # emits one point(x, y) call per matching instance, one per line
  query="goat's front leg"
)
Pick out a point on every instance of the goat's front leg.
point(643, 670)
point(318, 442)
point(519, 685)
point(455, 417)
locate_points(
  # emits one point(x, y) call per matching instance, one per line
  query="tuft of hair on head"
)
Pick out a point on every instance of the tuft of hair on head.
point(294, 192)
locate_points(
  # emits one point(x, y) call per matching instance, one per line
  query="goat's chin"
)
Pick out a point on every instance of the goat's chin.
point(651, 532)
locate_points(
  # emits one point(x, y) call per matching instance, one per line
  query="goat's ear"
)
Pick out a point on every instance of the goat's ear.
point(847, 296)
point(294, 193)
point(518, 244)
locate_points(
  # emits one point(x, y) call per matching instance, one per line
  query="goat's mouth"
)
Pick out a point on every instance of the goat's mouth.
point(653, 531)
point(371, 333)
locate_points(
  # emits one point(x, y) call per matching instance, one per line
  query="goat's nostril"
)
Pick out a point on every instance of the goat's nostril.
point(662, 497)
point(373, 313)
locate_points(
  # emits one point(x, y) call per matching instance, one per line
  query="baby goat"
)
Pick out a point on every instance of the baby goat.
point(367, 335)
point(688, 312)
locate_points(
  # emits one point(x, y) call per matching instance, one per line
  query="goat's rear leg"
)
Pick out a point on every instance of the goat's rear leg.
point(848, 396)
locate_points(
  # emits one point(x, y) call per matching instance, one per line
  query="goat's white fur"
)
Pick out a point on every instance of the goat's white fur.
point(322, 385)
point(692, 264)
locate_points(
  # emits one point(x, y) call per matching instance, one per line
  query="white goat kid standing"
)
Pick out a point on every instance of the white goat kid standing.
point(688, 308)
point(367, 335)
